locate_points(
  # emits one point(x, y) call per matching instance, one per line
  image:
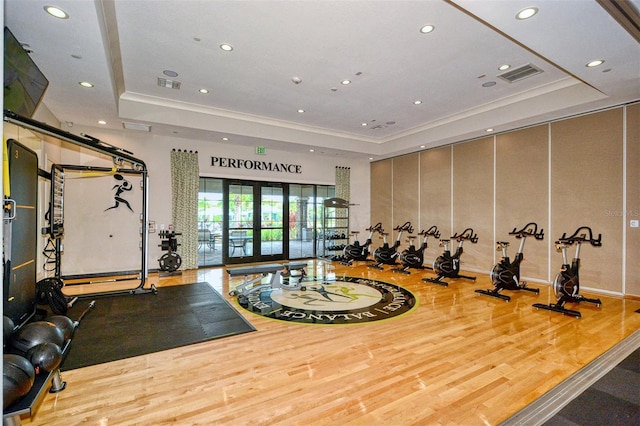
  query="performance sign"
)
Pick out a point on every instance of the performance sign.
point(267, 166)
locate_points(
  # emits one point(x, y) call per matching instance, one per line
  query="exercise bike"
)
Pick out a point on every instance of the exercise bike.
point(566, 285)
point(505, 275)
point(413, 257)
point(448, 266)
point(387, 255)
point(356, 251)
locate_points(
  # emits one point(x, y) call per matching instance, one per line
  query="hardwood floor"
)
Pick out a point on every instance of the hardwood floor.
point(459, 358)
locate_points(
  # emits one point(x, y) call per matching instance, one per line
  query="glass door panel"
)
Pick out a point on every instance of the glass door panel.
point(210, 222)
point(241, 227)
point(272, 222)
point(301, 221)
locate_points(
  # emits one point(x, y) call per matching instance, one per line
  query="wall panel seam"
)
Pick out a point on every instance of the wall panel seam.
point(624, 200)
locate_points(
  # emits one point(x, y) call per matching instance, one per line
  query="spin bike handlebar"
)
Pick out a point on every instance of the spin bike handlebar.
point(580, 236)
point(529, 230)
point(376, 227)
point(467, 234)
point(433, 231)
point(406, 227)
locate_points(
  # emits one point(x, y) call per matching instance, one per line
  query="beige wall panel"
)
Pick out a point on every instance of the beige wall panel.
point(406, 202)
point(633, 201)
point(473, 201)
point(435, 196)
point(586, 190)
point(522, 195)
point(381, 194)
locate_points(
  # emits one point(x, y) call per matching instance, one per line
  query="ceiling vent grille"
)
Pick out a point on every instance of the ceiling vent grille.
point(169, 84)
point(520, 73)
point(136, 126)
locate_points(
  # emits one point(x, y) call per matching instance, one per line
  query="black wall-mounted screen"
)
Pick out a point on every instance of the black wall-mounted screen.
point(24, 83)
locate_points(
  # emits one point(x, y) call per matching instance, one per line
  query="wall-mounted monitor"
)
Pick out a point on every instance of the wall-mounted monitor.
point(24, 83)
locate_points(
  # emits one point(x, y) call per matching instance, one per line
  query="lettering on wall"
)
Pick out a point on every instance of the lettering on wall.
point(267, 166)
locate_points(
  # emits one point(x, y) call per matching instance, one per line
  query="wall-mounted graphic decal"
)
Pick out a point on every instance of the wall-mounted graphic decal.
point(122, 187)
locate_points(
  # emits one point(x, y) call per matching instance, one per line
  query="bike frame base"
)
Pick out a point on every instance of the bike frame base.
point(494, 293)
point(557, 308)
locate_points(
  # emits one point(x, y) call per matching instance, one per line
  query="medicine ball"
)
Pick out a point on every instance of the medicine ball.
point(18, 376)
point(45, 357)
point(34, 333)
point(65, 324)
point(7, 329)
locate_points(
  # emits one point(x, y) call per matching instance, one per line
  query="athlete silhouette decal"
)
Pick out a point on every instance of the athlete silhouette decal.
point(122, 187)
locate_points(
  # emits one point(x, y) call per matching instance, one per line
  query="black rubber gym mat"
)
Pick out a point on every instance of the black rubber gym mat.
point(613, 400)
point(125, 326)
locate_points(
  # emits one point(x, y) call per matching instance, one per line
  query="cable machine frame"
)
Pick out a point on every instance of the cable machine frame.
point(124, 161)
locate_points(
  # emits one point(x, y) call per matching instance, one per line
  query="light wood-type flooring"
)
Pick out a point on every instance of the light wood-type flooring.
point(459, 358)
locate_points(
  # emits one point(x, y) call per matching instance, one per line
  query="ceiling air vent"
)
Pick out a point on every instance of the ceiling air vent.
point(169, 84)
point(136, 126)
point(518, 74)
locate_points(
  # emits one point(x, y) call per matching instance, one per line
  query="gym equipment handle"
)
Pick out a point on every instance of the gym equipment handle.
point(528, 232)
point(580, 235)
point(376, 227)
point(467, 234)
point(433, 231)
point(406, 227)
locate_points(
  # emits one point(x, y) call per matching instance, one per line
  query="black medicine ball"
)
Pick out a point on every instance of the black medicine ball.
point(7, 329)
point(34, 333)
point(65, 324)
point(18, 376)
point(45, 357)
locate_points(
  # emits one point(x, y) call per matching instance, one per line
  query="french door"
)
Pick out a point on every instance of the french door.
point(255, 215)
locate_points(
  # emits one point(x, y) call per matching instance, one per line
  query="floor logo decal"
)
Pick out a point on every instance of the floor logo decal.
point(345, 300)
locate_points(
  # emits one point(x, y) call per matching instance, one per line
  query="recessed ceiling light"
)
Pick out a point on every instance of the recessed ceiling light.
point(417, 102)
point(312, 150)
point(423, 146)
point(56, 12)
point(370, 158)
point(595, 63)
point(226, 47)
point(102, 122)
point(527, 13)
point(489, 130)
point(364, 124)
point(427, 29)
point(300, 110)
point(504, 67)
point(345, 82)
point(203, 91)
point(170, 73)
point(85, 84)
point(489, 84)
point(225, 139)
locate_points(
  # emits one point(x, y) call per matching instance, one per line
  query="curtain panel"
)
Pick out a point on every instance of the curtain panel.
point(185, 180)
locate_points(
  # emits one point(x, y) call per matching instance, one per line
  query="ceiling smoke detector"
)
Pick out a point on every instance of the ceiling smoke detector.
point(169, 84)
point(520, 73)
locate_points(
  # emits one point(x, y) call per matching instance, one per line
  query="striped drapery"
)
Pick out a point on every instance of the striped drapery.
point(343, 183)
point(185, 180)
point(343, 191)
